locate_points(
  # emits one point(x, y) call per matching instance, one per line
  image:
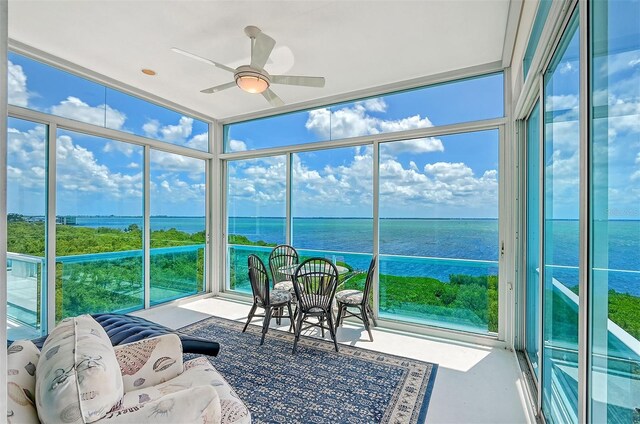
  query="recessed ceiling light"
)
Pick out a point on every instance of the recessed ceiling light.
point(149, 72)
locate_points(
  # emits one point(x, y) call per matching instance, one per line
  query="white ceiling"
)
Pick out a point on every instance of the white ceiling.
point(354, 44)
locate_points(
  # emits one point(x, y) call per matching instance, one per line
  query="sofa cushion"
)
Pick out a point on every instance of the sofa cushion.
point(198, 372)
point(22, 358)
point(199, 404)
point(150, 361)
point(78, 377)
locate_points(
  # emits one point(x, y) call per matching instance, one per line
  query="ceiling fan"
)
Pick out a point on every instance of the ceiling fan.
point(253, 78)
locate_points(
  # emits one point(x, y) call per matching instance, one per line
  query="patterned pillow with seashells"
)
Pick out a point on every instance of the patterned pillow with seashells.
point(150, 361)
point(22, 358)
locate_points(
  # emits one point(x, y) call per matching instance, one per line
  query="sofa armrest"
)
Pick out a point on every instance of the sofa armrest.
point(150, 361)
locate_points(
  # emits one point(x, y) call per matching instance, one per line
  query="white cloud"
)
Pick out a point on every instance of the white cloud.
point(415, 146)
point(17, 86)
point(375, 105)
point(80, 172)
point(176, 134)
point(562, 102)
point(74, 108)
point(133, 165)
point(355, 121)
point(237, 146)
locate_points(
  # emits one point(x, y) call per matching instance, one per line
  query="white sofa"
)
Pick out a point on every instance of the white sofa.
point(79, 377)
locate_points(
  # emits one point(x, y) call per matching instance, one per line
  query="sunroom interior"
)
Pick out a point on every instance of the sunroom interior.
point(485, 152)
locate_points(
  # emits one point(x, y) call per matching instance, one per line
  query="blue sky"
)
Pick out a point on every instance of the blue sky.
point(444, 177)
point(97, 176)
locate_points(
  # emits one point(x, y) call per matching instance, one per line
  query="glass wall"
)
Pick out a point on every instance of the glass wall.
point(99, 199)
point(437, 204)
point(41, 87)
point(178, 226)
point(99, 216)
point(561, 230)
point(26, 228)
point(439, 231)
point(256, 211)
point(440, 104)
point(533, 237)
point(614, 247)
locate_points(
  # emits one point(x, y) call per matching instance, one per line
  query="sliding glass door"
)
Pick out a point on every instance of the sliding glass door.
point(615, 212)
point(561, 230)
point(533, 238)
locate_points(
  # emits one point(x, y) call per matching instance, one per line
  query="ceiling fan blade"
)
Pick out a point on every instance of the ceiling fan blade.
point(202, 59)
point(272, 98)
point(298, 80)
point(262, 47)
point(219, 88)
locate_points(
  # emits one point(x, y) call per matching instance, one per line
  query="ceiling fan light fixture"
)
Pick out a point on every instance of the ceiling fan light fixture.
point(252, 81)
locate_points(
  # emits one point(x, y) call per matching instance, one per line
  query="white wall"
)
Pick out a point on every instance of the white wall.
point(3, 205)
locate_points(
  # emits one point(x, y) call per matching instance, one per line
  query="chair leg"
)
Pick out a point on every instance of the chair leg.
point(279, 313)
point(265, 324)
point(339, 317)
point(321, 318)
point(298, 329)
point(250, 317)
point(332, 330)
point(365, 319)
point(375, 324)
point(291, 317)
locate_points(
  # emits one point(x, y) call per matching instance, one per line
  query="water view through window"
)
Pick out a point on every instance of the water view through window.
point(439, 231)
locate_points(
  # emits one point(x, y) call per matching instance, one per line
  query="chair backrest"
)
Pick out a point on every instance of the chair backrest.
point(369, 281)
point(282, 255)
point(315, 282)
point(259, 279)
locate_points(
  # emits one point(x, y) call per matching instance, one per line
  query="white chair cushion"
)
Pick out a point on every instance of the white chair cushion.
point(22, 358)
point(350, 297)
point(286, 285)
point(78, 377)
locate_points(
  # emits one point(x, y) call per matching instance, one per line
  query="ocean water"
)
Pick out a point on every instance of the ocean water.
point(474, 239)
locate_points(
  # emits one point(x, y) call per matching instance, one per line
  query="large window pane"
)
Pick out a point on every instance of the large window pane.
point(99, 233)
point(442, 104)
point(178, 226)
point(561, 231)
point(615, 225)
point(45, 88)
point(256, 214)
point(439, 231)
point(157, 122)
point(533, 237)
point(26, 228)
point(332, 207)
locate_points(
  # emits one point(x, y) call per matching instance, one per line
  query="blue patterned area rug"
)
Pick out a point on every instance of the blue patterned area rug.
point(317, 385)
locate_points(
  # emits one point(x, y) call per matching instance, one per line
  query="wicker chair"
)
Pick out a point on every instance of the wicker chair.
point(272, 301)
point(283, 256)
point(315, 282)
point(357, 299)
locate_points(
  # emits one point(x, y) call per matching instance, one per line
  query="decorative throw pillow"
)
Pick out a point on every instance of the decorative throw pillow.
point(78, 378)
point(22, 359)
point(150, 361)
